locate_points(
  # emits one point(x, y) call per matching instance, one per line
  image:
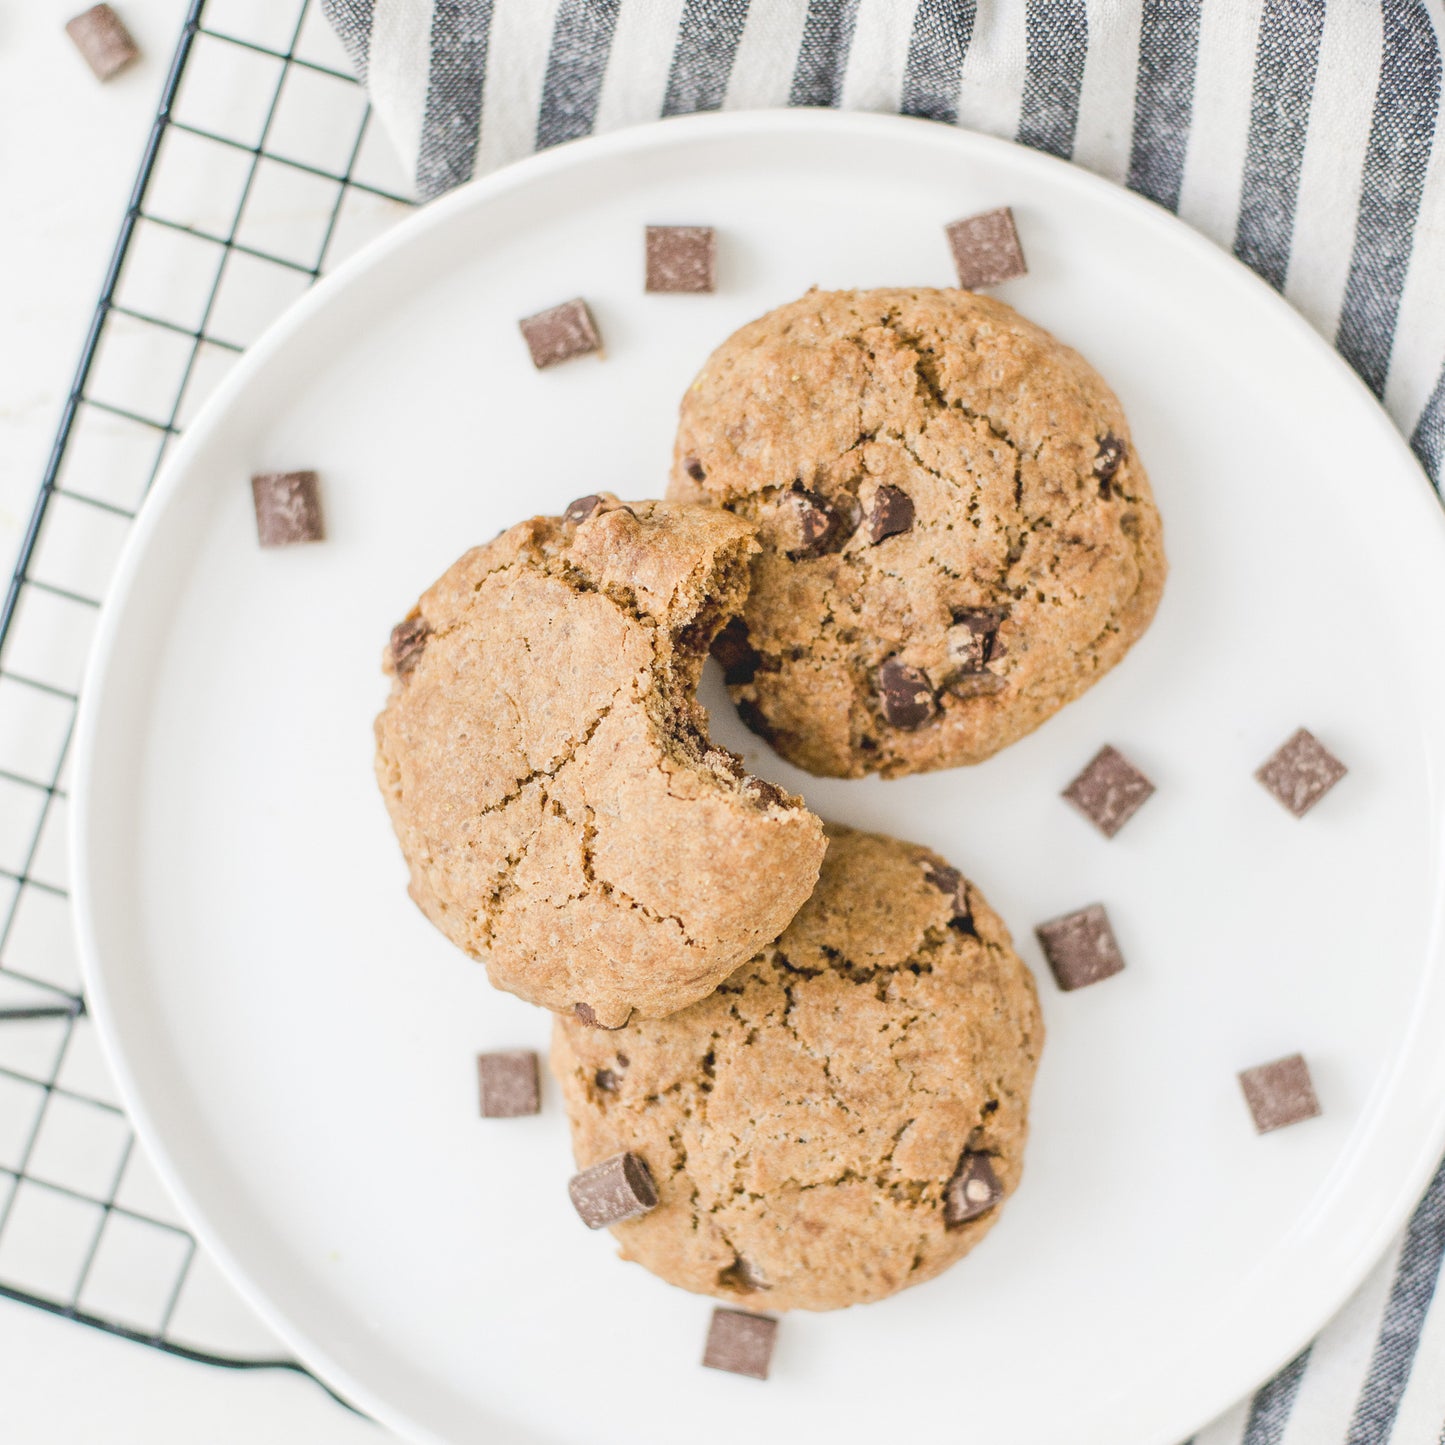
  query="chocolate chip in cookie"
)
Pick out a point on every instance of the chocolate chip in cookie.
point(586, 1014)
point(560, 333)
point(288, 508)
point(986, 249)
point(508, 1084)
point(736, 655)
point(1108, 460)
point(1301, 772)
point(1080, 947)
point(408, 638)
point(694, 469)
point(1279, 1093)
point(740, 1343)
point(681, 258)
point(950, 882)
point(973, 1190)
point(764, 793)
point(891, 513)
point(973, 639)
point(905, 696)
point(1109, 791)
point(616, 1189)
point(581, 509)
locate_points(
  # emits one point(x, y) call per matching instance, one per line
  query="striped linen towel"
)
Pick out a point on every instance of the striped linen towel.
point(1300, 135)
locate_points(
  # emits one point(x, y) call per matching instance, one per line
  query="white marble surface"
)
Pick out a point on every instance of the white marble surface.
point(68, 152)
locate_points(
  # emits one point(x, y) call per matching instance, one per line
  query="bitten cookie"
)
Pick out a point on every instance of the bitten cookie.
point(843, 1117)
point(957, 535)
point(548, 771)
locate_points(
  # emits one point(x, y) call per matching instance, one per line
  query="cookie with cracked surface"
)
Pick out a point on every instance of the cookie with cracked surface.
point(548, 772)
point(842, 1118)
point(957, 534)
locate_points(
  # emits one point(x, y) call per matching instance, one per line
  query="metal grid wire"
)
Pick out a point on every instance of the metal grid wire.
point(240, 202)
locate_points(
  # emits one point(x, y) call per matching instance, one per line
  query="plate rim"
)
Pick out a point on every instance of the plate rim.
point(436, 215)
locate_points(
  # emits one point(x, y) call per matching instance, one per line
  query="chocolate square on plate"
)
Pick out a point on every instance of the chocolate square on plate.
point(288, 508)
point(1080, 947)
point(560, 333)
point(1301, 772)
point(101, 37)
point(1279, 1093)
point(740, 1343)
point(508, 1084)
point(986, 249)
point(1109, 791)
point(681, 258)
point(613, 1190)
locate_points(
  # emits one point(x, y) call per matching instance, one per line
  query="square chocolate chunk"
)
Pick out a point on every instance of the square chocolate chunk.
point(1080, 947)
point(616, 1189)
point(986, 249)
point(560, 333)
point(1301, 772)
point(740, 1343)
point(288, 508)
point(508, 1084)
point(681, 258)
point(1279, 1093)
point(1109, 791)
point(101, 37)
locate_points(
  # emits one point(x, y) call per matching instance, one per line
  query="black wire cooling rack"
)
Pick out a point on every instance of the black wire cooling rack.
point(261, 169)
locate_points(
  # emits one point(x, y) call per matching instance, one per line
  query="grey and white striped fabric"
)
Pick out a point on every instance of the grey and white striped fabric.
point(1300, 135)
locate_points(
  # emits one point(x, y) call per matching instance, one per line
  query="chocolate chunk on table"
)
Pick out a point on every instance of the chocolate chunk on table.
point(1301, 772)
point(973, 1190)
point(288, 508)
point(1279, 1093)
point(986, 249)
point(408, 639)
point(616, 1189)
point(1109, 791)
point(681, 258)
point(508, 1084)
point(560, 333)
point(740, 1343)
point(1080, 947)
point(892, 512)
point(101, 37)
point(905, 696)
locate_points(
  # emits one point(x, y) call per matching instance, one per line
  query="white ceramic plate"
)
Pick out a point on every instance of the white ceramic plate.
point(296, 1043)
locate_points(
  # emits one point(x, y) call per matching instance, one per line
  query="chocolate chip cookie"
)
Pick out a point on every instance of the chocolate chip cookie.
point(845, 1115)
point(548, 772)
point(958, 536)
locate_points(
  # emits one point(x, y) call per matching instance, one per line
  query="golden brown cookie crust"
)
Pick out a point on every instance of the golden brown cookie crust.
point(802, 1124)
point(548, 773)
point(1028, 498)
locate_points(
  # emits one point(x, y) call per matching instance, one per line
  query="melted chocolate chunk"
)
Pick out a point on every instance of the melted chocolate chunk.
point(973, 1190)
point(1111, 454)
point(891, 513)
point(586, 1014)
point(581, 509)
point(408, 638)
point(950, 882)
point(736, 655)
point(905, 696)
point(694, 468)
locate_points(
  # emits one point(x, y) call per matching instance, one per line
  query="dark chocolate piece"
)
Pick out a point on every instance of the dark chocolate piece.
point(508, 1083)
point(811, 523)
point(408, 638)
point(764, 793)
point(740, 1343)
point(1107, 461)
point(101, 37)
point(986, 249)
point(694, 468)
point(735, 653)
point(1279, 1093)
point(891, 513)
point(951, 882)
point(605, 1080)
point(586, 1014)
point(1080, 947)
point(1109, 791)
point(1301, 772)
point(973, 1190)
point(616, 1189)
point(581, 509)
point(681, 258)
point(973, 639)
point(560, 333)
point(288, 508)
point(905, 696)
